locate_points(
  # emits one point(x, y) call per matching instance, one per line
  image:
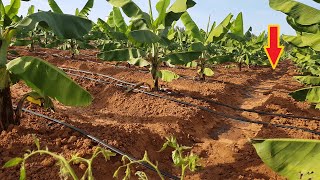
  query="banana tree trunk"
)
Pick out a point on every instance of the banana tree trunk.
point(32, 48)
point(202, 66)
point(73, 46)
point(155, 67)
point(6, 109)
point(154, 70)
point(240, 66)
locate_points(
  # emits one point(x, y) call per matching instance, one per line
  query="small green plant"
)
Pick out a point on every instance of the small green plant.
point(179, 158)
point(64, 164)
point(128, 163)
point(66, 171)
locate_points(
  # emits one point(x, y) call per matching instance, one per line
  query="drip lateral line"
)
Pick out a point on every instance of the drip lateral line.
point(97, 140)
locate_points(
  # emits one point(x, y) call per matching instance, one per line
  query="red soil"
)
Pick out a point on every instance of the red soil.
point(136, 123)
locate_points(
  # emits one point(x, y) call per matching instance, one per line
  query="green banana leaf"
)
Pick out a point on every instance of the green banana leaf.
point(219, 32)
point(107, 27)
point(303, 14)
point(167, 76)
point(291, 158)
point(31, 10)
point(182, 58)
point(305, 40)
point(198, 46)
point(176, 10)
point(103, 26)
point(64, 26)
point(237, 26)
point(161, 7)
point(221, 59)
point(309, 94)
point(50, 81)
point(21, 42)
point(131, 10)
point(12, 9)
point(308, 80)
point(208, 72)
point(139, 62)
point(120, 55)
point(2, 12)
point(55, 7)
point(118, 3)
point(119, 20)
point(144, 36)
point(86, 9)
point(301, 28)
point(191, 27)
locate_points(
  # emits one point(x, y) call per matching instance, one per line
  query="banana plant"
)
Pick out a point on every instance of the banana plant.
point(202, 41)
point(149, 36)
point(305, 20)
point(245, 47)
point(72, 44)
point(44, 78)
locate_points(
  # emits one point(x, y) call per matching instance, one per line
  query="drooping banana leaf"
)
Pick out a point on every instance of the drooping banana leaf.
point(302, 28)
point(176, 10)
point(291, 158)
point(64, 26)
point(303, 14)
point(50, 81)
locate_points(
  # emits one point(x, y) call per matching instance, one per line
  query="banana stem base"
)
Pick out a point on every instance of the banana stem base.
point(6, 109)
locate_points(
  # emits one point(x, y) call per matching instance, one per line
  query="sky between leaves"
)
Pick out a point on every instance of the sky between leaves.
point(257, 13)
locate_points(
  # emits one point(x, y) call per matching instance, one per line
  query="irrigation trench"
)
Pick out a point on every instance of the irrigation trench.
point(137, 89)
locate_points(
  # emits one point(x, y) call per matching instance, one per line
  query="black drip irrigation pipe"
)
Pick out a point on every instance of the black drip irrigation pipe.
point(250, 110)
point(194, 97)
point(239, 119)
point(100, 142)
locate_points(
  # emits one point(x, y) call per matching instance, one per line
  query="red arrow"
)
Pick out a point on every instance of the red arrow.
point(274, 50)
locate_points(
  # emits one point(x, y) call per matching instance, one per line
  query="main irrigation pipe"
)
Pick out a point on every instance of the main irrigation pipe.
point(99, 141)
point(196, 97)
point(239, 119)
